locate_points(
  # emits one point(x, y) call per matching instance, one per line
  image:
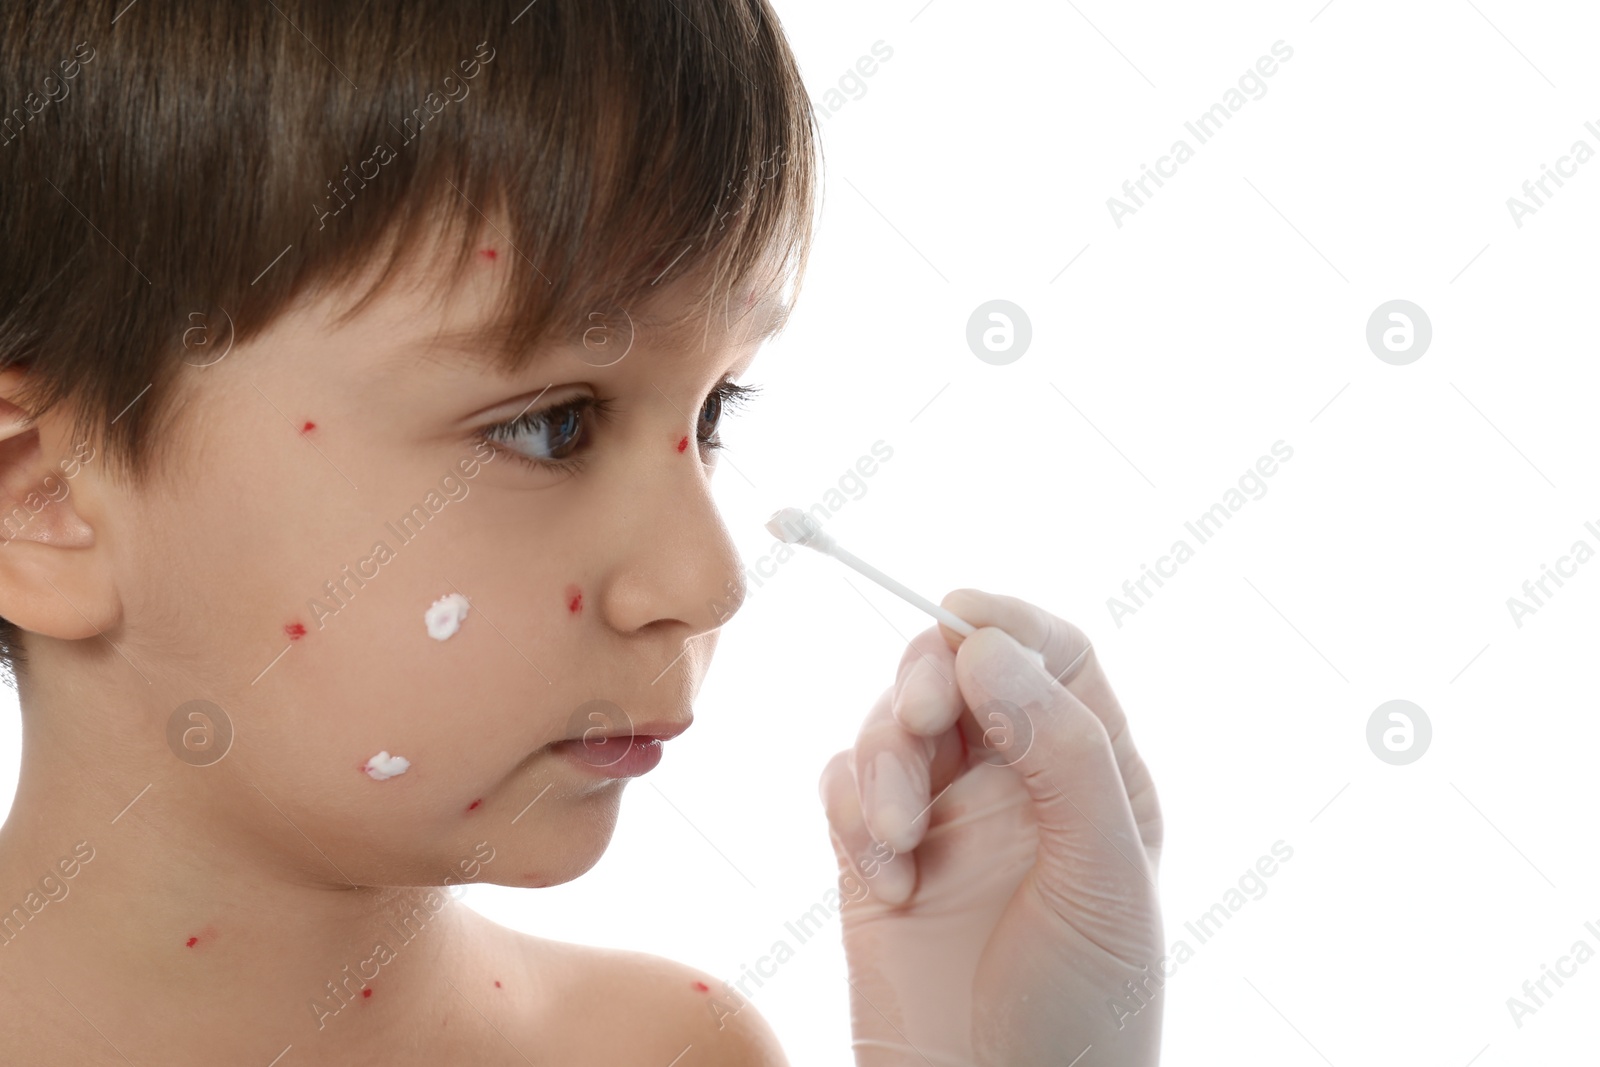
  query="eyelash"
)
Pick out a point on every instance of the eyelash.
point(727, 394)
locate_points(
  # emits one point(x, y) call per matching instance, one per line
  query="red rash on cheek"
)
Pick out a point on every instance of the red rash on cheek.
point(488, 253)
point(191, 941)
point(702, 987)
point(497, 983)
point(308, 427)
point(683, 444)
point(294, 631)
point(366, 992)
point(574, 597)
point(475, 803)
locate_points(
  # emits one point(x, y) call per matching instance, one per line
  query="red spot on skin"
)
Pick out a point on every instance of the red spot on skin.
point(488, 253)
point(295, 631)
point(366, 992)
point(475, 803)
point(308, 427)
point(208, 934)
point(683, 444)
point(497, 983)
point(538, 882)
point(702, 987)
point(574, 599)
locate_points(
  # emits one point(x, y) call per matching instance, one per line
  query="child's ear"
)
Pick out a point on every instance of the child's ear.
point(55, 579)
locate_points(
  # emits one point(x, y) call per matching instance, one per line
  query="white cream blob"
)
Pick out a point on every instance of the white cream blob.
point(384, 766)
point(444, 616)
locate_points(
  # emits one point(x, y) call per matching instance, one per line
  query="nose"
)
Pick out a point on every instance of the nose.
point(675, 565)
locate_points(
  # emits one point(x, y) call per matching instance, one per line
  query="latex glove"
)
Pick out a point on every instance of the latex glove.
point(999, 924)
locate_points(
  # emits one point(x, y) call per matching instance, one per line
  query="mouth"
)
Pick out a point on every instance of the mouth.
point(620, 753)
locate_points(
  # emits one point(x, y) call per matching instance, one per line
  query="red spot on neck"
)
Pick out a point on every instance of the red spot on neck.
point(702, 987)
point(295, 631)
point(683, 444)
point(497, 983)
point(366, 992)
point(308, 427)
point(488, 253)
point(574, 599)
point(191, 942)
point(475, 803)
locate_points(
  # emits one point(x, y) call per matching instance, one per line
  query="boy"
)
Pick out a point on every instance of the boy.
point(362, 369)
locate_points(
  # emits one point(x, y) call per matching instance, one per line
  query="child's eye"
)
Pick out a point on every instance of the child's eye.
point(725, 396)
point(555, 438)
point(550, 438)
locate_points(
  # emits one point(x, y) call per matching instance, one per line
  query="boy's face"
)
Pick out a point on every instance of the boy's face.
point(337, 480)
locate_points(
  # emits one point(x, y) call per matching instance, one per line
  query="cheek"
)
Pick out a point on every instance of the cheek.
point(449, 645)
point(301, 609)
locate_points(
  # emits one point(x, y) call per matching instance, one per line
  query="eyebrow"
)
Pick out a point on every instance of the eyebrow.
point(771, 316)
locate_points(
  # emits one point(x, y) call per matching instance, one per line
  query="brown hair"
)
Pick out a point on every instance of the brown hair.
point(172, 163)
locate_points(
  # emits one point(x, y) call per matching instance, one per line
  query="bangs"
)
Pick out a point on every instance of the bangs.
point(617, 154)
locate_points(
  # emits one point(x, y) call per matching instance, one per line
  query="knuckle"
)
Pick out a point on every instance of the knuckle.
point(1070, 643)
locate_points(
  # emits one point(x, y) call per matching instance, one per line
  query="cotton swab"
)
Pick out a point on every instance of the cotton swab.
point(793, 526)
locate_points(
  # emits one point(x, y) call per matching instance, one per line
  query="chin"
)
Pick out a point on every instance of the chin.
point(566, 847)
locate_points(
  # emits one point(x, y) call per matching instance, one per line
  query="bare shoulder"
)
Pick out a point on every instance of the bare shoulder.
point(644, 1008)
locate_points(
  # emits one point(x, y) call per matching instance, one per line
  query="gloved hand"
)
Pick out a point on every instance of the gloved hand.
point(1007, 834)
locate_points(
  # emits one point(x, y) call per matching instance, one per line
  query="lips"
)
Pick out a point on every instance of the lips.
point(624, 751)
point(612, 757)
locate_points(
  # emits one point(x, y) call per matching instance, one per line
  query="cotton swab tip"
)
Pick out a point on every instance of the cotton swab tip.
point(792, 526)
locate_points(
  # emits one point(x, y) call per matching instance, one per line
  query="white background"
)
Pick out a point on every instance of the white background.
point(1226, 314)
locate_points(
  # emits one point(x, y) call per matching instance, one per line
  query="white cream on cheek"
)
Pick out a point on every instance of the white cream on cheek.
point(384, 766)
point(444, 616)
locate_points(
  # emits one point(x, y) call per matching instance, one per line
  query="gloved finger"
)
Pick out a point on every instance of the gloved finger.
point(890, 877)
point(926, 699)
point(1070, 659)
point(1089, 838)
point(897, 771)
